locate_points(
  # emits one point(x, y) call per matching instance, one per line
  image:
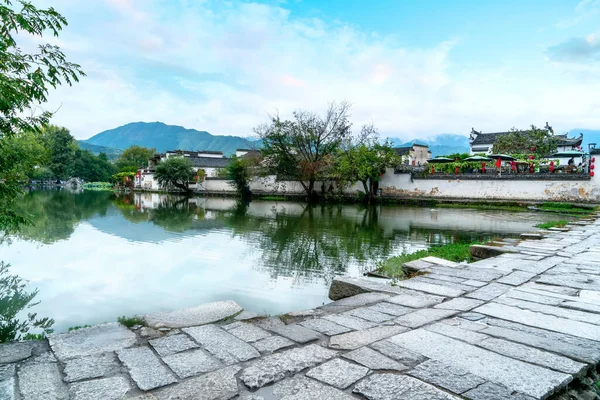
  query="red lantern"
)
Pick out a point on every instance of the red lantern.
point(456, 170)
point(593, 159)
point(433, 169)
point(551, 166)
point(591, 173)
point(592, 166)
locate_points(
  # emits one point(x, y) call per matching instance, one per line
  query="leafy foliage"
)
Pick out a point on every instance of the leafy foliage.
point(537, 142)
point(14, 299)
point(134, 157)
point(174, 172)
point(238, 175)
point(132, 321)
point(365, 162)
point(301, 149)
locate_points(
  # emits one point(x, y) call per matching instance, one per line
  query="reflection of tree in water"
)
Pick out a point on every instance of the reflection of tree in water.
point(320, 242)
point(54, 214)
point(173, 213)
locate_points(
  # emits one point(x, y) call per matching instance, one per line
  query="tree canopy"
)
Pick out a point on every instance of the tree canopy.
point(301, 148)
point(538, 142)
point(134, 158)
point(25, 81)
point(174, 172)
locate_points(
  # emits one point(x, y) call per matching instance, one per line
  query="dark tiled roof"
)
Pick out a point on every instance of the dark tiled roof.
point(402, 151)
point(209, 162)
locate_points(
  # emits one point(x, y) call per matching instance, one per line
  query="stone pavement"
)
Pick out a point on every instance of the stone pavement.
point(519, 326)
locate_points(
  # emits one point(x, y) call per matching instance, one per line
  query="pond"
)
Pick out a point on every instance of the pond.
point(95, 256)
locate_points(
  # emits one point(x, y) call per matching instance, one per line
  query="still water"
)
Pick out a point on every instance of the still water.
point(95, 256)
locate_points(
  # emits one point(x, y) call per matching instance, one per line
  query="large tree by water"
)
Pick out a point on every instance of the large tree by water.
point(301, 149)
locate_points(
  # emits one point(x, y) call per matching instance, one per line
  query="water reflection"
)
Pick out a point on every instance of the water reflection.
point(97, 255)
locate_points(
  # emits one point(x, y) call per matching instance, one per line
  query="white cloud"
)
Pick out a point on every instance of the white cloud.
point(223, 70)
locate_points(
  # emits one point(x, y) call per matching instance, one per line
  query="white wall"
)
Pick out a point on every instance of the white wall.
point(400, 185)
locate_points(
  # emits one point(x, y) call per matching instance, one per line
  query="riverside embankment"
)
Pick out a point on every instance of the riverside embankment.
point(523, 325)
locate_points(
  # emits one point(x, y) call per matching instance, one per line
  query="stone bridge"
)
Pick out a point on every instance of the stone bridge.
point(523, 325)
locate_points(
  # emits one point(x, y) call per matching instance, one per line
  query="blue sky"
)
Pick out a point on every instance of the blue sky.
point(414, 68)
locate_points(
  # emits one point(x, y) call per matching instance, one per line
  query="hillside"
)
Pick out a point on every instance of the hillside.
point(164, 137)
point(111, 153)
point(442, 144)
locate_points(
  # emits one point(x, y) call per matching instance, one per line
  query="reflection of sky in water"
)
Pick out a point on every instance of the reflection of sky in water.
point(110, 266)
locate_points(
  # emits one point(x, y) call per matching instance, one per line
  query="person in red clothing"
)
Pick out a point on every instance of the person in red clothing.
point(513, 167)
point(483, 168)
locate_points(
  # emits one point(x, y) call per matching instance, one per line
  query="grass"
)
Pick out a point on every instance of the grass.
point(485, 206)
point(552, 224)
point(74, 328)
point(98, 186)
point(566, 208)
point(393, 267)
point(132, 321)
point(273, 198)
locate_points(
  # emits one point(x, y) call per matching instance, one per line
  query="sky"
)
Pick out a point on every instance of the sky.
point(413, 68)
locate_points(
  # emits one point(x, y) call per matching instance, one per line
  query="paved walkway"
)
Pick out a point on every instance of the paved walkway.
point(518, 326)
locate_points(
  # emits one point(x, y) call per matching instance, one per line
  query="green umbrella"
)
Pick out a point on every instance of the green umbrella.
point(440, 160)
point(502, 157)
point(571, 153)
point(478, 158)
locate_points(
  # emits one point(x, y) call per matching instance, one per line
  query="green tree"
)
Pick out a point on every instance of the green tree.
point(92, 168)
point(237, 172)
point(134, 158)
point(174, 172)
point(365, 162)
point(538, 142)
point(301, 149)
point(61, 147)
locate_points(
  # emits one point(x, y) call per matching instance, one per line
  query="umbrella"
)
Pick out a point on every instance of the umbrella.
point(572, 153)
point(440, 160)
point(478, 158)
point(502, 157)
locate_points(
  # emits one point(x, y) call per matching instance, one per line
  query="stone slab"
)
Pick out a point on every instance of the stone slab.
point(88, 341)
point(343, 287)
point(360, 299)
point(216, 385)
point(201, 315)
point(441, 261)
point(370, 315)
point(459, 304)
point(7, 382)
point(168, 345)
point(247, 332)
point(145, 368)
point(473, 282)
point(338, 373)
point(324, 326)
point(424, 316)
point(246, 315)
point(301, 388)
point(571, 346)
point(514, 374)
point(96, 366)
point(272, 343)
point(100, 389)
point(517, 278)
point(41, 381)
point(452, 328)
point(222, 344)
point(191, 363)
point(417, 265)
point(415, 299)
point(539, 320)
point(398, 353)
point(451, 378)
point(550, 310)
point(296, 332)
point(489, 292)
point(13, 352)
point(350, 321)
point(275, 367)
point(492, 391)
point(533, 355)
point(390, 308)
point(374, 360)
point(431, 288)
point(392, 387)
point(354, 340)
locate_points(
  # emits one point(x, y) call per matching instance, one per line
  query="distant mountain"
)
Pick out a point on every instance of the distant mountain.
point(442, 144)
point(111, 153)
point(164, 137)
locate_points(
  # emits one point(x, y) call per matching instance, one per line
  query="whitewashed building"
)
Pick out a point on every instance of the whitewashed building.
point(415, 155)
